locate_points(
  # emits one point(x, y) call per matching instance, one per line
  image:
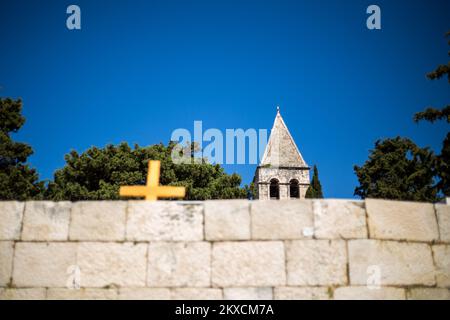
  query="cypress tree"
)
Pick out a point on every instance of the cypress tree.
point(315, 188)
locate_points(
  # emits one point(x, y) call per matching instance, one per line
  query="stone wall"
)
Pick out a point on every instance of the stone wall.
point(294, 249)
point(264, 175)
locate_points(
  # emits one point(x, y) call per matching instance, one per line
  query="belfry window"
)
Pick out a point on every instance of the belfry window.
point(293, 189)
point(274, 189)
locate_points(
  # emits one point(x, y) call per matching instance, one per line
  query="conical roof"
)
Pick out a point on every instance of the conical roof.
point(281, 150)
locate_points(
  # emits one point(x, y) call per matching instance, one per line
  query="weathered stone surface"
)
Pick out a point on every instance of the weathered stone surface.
point(273, 220)
point(316, 262)
point(428, 294)
point(23, 294)
point(164, 221)
point(398, 220)
point(261, 293)
point(443, 215)
point(364, 293)
point(302, 293)
point(108, 264)
point(441, 254)
point(339, 219)
point(81, 294)
point(281, 150)
point(46, 221)
point(252, 263)
point(144, 294)
point(43, 264)
point(6, 257)
point(179, 264)
point(227, 220)
point(11, 213)
point(98, 221)
point(398, 263)
point(196, 294)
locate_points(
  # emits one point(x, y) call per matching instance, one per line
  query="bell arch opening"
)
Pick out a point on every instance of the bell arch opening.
point(294, 191)
point(274, 191)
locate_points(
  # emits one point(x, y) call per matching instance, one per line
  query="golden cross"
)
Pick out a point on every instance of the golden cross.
point(152, 191)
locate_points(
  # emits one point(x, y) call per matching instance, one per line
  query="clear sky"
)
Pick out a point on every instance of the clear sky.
point(137, 70)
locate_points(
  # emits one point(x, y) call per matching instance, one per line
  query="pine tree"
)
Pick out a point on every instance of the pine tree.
point(17, 180)
point(432, 114)
point(97, 174)
point(315, 189)
point(398, 169)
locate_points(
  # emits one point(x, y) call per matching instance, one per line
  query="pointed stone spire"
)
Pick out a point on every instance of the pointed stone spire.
point(281, 150)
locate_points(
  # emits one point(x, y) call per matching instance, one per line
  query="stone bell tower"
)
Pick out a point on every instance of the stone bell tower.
point(282, 173)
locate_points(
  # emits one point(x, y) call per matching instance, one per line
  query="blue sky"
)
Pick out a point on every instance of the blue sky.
point(140, 69)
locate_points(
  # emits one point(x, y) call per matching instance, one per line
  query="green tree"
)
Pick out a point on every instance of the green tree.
point(442, 163)
point(97, 173)
point(251, 191)
point(398, 169)
point(315, 188)
point(432, 114)
point(17, 180)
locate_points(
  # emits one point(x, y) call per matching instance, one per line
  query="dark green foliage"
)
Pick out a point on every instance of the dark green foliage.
point(17, 180)
point(442, 164)
point(442, 69)
point(315, 189)
point(431, 114)
point(398, 169)
point(97, 173)
point(251, 191)
point(444, 167)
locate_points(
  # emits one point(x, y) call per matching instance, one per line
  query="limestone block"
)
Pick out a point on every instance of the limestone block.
point(11, 213)
point(38, 264)
point(441, 254)
point(428, 294)
point(81, 294)
point(23, 294)
point(366, 293)
point(443, 215)
point(164, 221)
point(46, 221)
point(302, 293)
point(98, 221)
point(227, 220)
point(257, 293)
point(396, 220)
point(179, 264)
point(390, 263)
point(144, 294)
point(196, 294)
point(112, 264)
point(252, 263)
point(316, 262)
point(6, 257)
point(339, 219)
point(289, 219)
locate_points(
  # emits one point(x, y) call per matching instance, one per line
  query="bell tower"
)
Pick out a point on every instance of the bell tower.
point(282, 173)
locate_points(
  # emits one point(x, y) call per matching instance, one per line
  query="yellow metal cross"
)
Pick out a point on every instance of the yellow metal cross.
point(152, 191)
